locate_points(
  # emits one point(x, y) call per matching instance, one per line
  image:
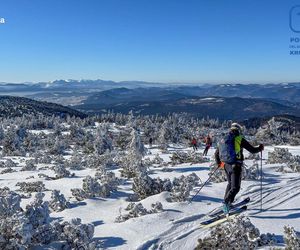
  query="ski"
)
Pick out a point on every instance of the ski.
point(222, 218)
point(219, 211)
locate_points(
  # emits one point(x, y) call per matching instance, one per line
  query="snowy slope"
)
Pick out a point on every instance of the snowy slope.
point(177, 227)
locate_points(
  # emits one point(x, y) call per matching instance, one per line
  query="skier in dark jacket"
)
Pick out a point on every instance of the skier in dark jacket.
point(234, 171)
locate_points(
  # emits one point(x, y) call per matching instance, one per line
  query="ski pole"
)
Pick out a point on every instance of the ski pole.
point(209, 178)
point(261, 173)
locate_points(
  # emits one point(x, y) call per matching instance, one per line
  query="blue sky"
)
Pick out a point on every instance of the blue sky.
point(191, 41)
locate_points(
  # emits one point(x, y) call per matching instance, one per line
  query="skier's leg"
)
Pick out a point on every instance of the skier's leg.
point(208, 147)
point(236, 178)
point(228, 172)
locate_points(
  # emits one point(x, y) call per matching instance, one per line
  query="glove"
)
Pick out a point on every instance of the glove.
point(221, 165)
point(261, 147)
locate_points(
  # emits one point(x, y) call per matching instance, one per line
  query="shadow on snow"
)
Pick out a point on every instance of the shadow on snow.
point(111, 241)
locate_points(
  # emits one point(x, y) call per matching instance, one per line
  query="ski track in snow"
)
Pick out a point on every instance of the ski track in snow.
point(180, 230)
point(273, 196)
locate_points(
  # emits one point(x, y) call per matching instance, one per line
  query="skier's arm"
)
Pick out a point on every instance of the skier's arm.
point(253, 150)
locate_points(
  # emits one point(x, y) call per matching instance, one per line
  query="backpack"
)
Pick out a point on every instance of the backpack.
point(227, 149)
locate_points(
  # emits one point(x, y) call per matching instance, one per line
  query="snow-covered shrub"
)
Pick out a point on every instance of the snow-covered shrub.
point(10, 164)
point(38, 212)
point(99, 161)
point(102, 141)
point(9, 202)
point(294, 164)
point(21, 229)
point(17, 228)
point(279, 155)
point(283, 156)
point(30, 187)
point(238, 233)
point(136, 144)
point(45, 159)
point(59, 159)
point(77, 235)
point(75, 163)
point(144, 186)
point(7, 170)
point(157, 160)
point(15, 232)
point(61, 172)
point(132, 165)
point(59, 147)
point(29, 166)
point(45, 234)
point(47, 177)
point(179, 157)
point(79, 194)
point(137, 210)
point(92, 187)
point(182, 186)
point(107, 179)
point(58, 201)
point(163, 136)
point(291, 238)
point(251, 172)
point(12, 142)
point(217, 176)
point(156, 207)
point(278, 131)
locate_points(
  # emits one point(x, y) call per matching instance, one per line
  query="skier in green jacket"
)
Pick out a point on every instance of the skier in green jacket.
point(233, 170)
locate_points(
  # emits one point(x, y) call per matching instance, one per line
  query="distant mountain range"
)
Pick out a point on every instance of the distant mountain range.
point(223, 101)
point(224, 108)
point(86, 88)
point(11, 106)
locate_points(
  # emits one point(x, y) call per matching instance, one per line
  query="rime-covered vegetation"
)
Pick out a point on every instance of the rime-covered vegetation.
point(109, 157)
point(239, 233)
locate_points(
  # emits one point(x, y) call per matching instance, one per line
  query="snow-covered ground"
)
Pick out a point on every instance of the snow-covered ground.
point(177, 227)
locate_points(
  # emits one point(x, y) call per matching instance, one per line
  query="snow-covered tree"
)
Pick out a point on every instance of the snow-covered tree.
point(29, 166)
point(61, 172)
point(30, 187)
point(291, 238)
point(238, 233)
point(137, 210)
point(58, 201)
point(182, 186)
